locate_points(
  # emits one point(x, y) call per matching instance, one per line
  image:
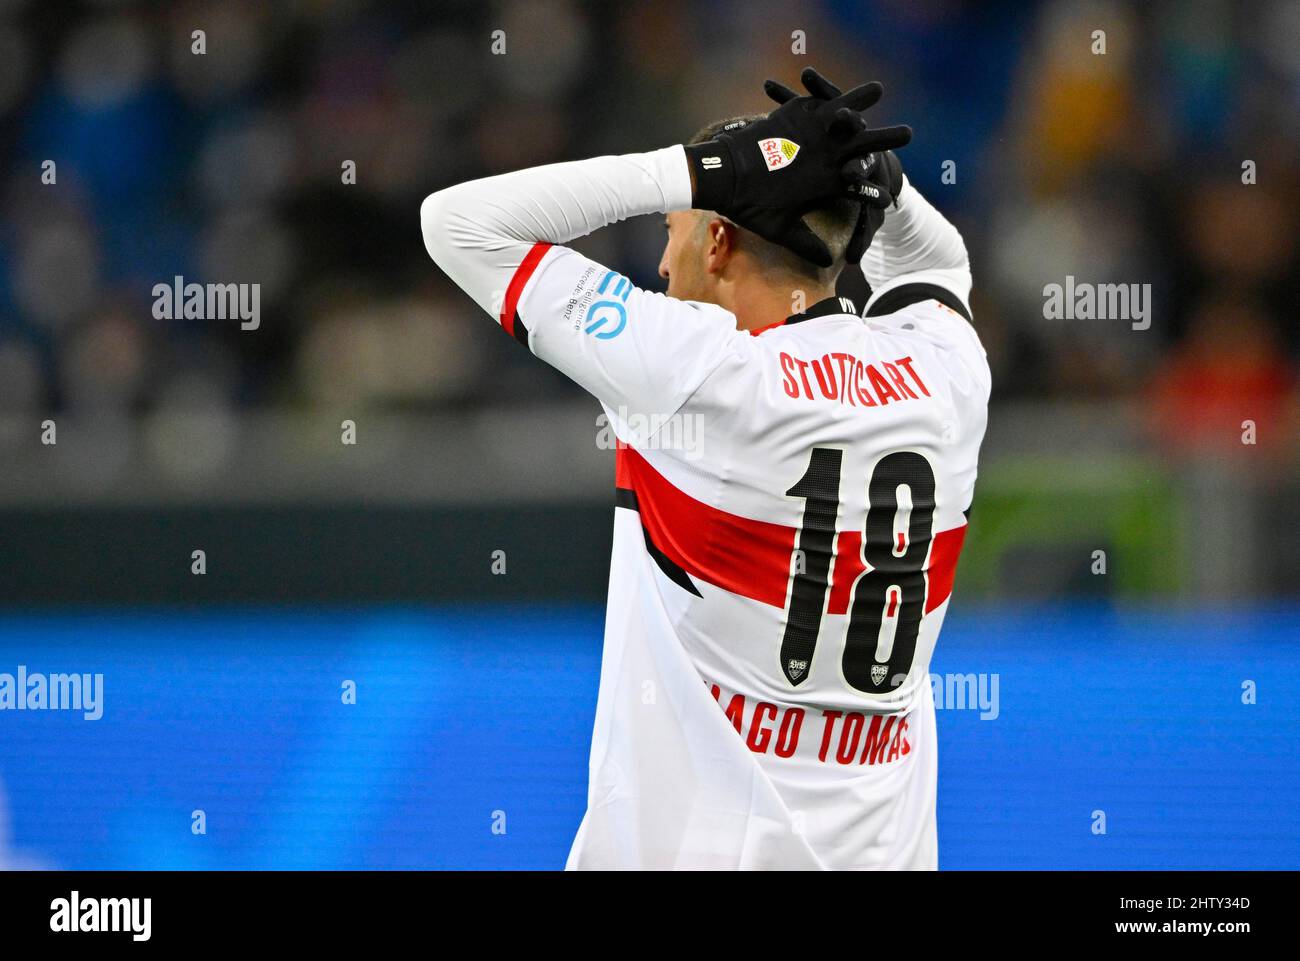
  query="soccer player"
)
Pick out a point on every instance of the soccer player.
point(793, 477)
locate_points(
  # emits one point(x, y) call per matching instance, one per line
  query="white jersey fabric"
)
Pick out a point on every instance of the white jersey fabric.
point(790, 507)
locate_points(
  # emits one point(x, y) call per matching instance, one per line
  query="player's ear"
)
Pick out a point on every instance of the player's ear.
point(719, 244)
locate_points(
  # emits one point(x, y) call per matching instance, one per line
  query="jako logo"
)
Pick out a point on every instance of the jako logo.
point(102, 915)
point(777, 152)
point(603, 311)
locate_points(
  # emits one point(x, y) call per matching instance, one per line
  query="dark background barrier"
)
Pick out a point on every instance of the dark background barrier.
point(301, 554)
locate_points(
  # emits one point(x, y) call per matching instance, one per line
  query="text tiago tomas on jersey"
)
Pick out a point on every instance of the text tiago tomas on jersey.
point(779, 583)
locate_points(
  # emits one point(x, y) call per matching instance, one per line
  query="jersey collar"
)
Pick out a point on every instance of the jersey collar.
point(828, 307)
point(825, 308)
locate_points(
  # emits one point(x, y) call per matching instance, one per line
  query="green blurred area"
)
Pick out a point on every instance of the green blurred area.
point(1038, 521)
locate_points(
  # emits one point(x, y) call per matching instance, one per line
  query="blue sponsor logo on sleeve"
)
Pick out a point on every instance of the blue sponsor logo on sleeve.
point(607, 318)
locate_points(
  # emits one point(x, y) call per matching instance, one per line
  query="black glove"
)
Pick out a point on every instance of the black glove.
point(877, 179)
point(879, 176)
point(767, 174)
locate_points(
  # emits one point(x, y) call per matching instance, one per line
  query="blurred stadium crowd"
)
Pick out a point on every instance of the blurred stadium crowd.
point(227, 166)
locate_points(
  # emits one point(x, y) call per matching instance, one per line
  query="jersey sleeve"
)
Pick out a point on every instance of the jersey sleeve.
point(641, 353)
point(501, 240)
point(917, 255)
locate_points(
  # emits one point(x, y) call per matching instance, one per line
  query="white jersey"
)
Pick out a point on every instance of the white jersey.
point(790, 507)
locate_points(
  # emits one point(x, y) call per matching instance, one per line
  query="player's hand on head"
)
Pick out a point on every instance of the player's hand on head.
point(875, 179)
point(878, 180)
point(806, 153)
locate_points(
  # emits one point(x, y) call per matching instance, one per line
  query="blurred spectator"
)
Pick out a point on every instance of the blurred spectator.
point(1229, 371)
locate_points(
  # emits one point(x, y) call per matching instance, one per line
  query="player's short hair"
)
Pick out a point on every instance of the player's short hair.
point(833, 224)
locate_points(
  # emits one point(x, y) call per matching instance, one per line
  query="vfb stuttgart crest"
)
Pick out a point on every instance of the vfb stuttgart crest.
point(878, 672)
point(778, 152)
point(796, 668)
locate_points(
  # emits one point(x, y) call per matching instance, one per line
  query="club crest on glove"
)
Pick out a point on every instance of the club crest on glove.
point(778, 152)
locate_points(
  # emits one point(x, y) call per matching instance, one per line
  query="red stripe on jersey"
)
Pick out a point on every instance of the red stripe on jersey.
point(762, 330)
point(943, 565)
point(744, 556)
point(753, 558)
point(517, 283)
point(622, 476)
point(944, 551)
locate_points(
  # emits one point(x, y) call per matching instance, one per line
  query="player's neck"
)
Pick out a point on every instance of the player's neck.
point(760, 305)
